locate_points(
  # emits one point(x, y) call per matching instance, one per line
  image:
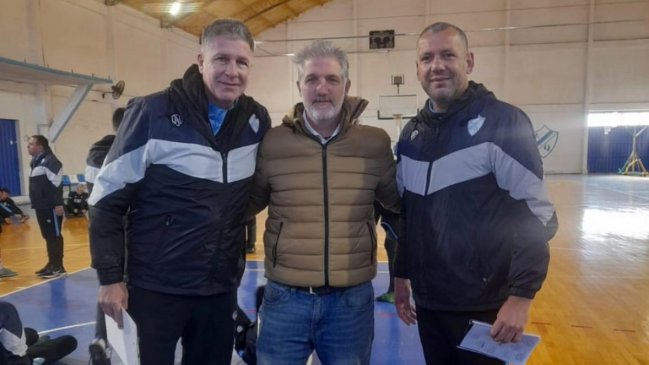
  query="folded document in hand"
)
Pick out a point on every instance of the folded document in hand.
point(478, 339)
point(123, 341)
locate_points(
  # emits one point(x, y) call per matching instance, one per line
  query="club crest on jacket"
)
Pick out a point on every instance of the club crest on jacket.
point(254, 123)
point(546, 140)
point(176, 120)
point(474, 125)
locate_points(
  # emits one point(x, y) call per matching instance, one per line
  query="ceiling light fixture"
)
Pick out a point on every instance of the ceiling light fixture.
point(175, 8)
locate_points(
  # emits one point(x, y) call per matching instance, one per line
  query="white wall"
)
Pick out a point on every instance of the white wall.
point(86, 37)
point(559, 60)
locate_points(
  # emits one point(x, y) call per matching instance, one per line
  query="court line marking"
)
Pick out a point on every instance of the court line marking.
point(66, 327)
point(44, 281)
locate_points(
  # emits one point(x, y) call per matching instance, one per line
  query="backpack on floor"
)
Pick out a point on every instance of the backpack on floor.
point(245, 337)
point(245, 332)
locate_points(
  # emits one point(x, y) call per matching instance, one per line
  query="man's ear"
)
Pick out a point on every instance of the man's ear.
point(470, 62)
point(199, 61)
point(348, 84)
point(299, 89)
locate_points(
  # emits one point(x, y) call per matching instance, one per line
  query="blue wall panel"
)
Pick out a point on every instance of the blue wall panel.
point(9, 165)
point(607, 152)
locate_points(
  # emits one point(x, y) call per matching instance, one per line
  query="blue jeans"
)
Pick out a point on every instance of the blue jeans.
point(338, 326)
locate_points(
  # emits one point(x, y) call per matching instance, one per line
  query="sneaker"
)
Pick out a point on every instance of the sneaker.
point(6, 273)
point(252, 249)
point(97, 349)
point(386, 298)
point(53, 273)
point(41, 271)
point(53, 349)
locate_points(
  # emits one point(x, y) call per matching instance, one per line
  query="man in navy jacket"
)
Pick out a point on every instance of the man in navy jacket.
point(46, 195)
point(180, 169)
point(476, 217)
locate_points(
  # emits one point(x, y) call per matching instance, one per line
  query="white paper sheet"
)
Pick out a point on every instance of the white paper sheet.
point(123, 341)
point(479, 340)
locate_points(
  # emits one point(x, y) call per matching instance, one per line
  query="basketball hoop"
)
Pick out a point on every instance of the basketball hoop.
point(634, 165)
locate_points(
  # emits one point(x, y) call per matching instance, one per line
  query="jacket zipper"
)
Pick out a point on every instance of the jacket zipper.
point(326, 201)
point(430, 168)
point(326, 214)
point(281, 225)
point(224, 156)
point(436, 132)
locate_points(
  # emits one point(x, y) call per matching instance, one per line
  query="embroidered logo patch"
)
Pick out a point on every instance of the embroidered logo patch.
point(254, 123)
point(474, 125)
point(176, 120)
point(546, 140)
point(414, 134)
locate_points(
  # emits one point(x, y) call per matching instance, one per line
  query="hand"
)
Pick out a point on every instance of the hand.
point(405, 310)
point(112, 299)
point(58, 210)
point(511, 320)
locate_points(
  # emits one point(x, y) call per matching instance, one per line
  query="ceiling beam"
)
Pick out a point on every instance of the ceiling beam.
point(269, 6)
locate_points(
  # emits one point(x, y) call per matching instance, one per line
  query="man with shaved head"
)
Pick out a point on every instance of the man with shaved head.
point(476, 217)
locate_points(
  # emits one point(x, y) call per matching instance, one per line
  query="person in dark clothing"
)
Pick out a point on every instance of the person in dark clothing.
point(251, 235)
point(46, 195)
point(476, 217)
point(77, 204)
point(94, 161)
point(9, 209)
point(390, 223)
point(180, 170)
point(99, 150)
point(23, 346)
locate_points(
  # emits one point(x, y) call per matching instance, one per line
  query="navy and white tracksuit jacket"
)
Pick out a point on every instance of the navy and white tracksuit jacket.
point(45, 181)
point(185, 191)
point(476, 214)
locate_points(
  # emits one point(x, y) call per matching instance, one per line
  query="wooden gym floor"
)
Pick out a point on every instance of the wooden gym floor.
point(593, 308)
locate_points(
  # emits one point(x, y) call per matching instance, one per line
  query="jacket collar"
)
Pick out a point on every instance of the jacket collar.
point(351, 110)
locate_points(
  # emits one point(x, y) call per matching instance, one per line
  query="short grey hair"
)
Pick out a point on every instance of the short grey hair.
point(442, 26)
point(229, 28)
point(321, 49)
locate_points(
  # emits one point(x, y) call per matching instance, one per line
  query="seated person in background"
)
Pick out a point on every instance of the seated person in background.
point(20, 346)
point(9, 209)
point(5, 217)
point(78, 201)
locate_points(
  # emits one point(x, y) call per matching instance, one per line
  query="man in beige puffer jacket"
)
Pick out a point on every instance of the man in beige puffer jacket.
point(319, 173)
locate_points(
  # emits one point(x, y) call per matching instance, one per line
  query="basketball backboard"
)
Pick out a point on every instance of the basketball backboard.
point(404, 106)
